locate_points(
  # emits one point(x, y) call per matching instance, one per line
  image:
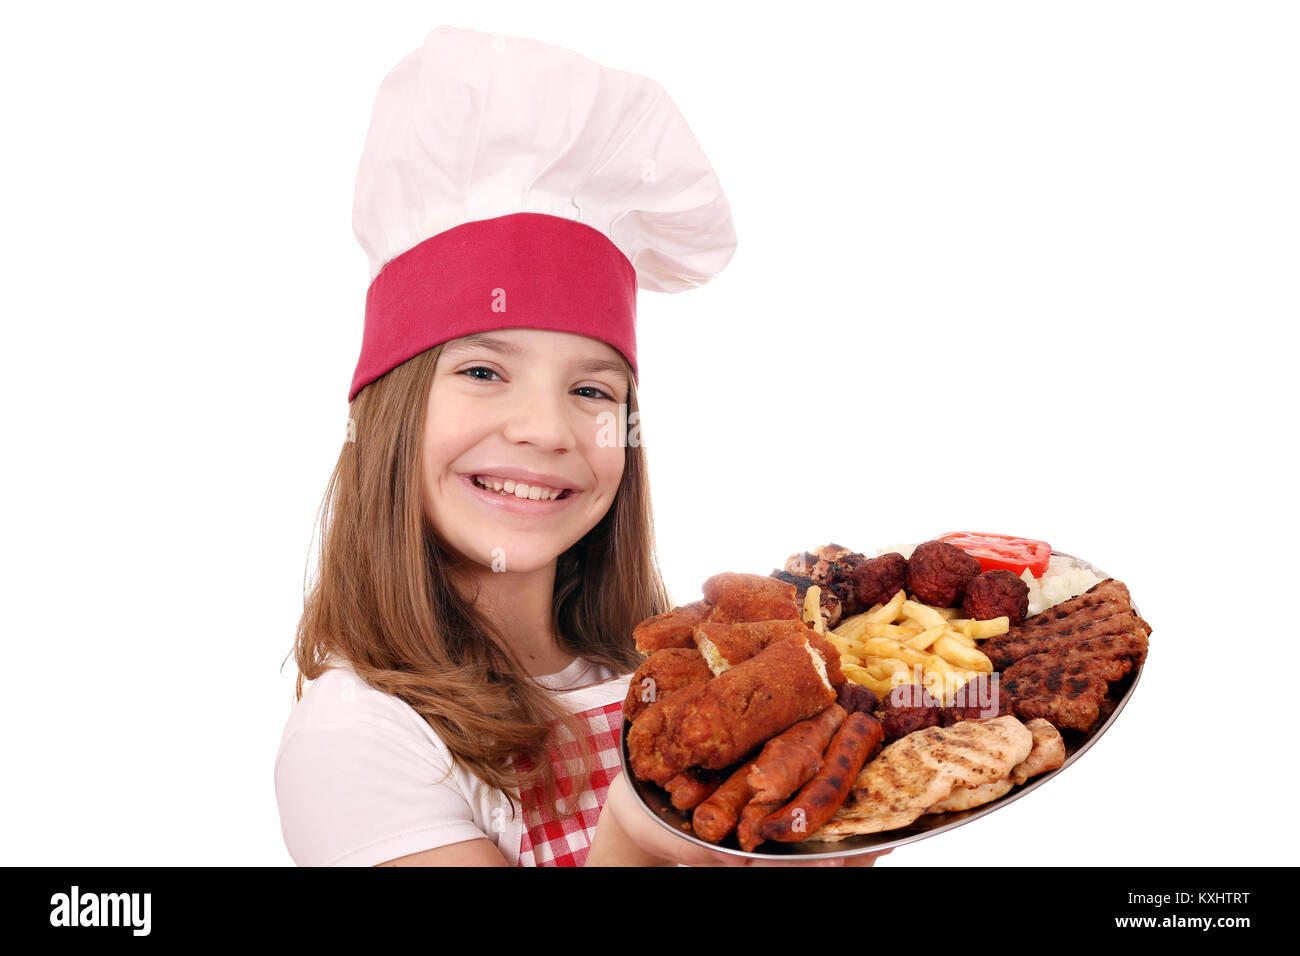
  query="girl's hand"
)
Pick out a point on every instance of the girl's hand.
point(626, 836)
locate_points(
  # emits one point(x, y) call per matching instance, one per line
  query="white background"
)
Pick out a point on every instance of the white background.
point(1018, 267)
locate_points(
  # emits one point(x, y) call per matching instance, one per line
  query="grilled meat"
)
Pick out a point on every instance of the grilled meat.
point(1123, 628)
point(816, 564)
point(833, 567)
point(1102, 600)
point(1069, 701)
point(1048, 752)
point(1059, 664)
point(690, 788)
point(843, 571)
point(831, 606)
point(1107, 657)
point(792, 757)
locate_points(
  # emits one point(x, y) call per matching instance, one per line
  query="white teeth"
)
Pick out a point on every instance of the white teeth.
point(517, 488)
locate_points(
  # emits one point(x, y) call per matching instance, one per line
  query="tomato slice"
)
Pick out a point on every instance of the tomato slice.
point(1003, 551)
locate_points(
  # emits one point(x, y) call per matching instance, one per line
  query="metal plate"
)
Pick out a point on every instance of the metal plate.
point(656, 802)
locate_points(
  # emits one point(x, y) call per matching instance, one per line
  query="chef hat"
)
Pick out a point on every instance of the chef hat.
point(507, 183)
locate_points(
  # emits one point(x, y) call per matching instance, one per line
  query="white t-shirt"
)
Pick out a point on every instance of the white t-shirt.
point(361, 778)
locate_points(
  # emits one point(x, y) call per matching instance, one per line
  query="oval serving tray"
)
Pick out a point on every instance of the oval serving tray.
point(656, 802)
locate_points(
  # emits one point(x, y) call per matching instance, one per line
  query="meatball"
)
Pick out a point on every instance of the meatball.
point(938, 573)
point(854, 697)
point(877, 580)
point(907, 708)
point(977, 700)
point(995, 594)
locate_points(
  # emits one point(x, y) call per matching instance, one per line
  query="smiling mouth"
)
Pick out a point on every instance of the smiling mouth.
point(518, 489)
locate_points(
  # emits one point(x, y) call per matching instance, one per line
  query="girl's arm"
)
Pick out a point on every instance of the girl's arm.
point(468, 853)
point(612, 844)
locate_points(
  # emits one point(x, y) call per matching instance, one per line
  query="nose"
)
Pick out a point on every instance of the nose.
point(540, 417)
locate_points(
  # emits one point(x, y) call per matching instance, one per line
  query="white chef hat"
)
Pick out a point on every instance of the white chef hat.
point(507, 183)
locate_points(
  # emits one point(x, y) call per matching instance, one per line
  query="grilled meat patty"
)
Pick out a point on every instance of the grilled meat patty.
point(1125, 632)
point(1059, 664)
point(1102, 600)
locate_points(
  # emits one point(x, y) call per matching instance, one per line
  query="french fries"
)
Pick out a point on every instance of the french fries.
point(963, 655)
point(980, 630)
point(860, 675)
point(924, 614)
point(885, 613)
point(906, 642)
point(812, 609)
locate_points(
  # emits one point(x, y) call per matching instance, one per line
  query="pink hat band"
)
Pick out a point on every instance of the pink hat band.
point(520, 271)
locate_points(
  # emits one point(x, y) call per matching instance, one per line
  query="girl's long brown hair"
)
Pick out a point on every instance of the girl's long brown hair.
point(383, 598)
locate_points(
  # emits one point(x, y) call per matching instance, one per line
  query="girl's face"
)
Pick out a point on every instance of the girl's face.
point(518, 459)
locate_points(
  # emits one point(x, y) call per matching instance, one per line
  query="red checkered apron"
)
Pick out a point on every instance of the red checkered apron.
point(546, 840)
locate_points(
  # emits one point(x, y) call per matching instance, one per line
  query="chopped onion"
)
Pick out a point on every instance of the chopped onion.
point(1063, 579)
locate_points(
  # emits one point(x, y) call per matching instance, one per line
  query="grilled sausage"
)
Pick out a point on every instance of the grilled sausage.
point(718, 815)
point(857, 739)
point(790, 759)
point(690, 788)
point(755, 812)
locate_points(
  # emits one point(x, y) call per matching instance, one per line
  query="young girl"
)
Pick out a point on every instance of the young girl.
point(487, 544)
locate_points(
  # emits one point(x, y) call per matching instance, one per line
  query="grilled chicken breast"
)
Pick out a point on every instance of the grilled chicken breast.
point(1048, 751)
